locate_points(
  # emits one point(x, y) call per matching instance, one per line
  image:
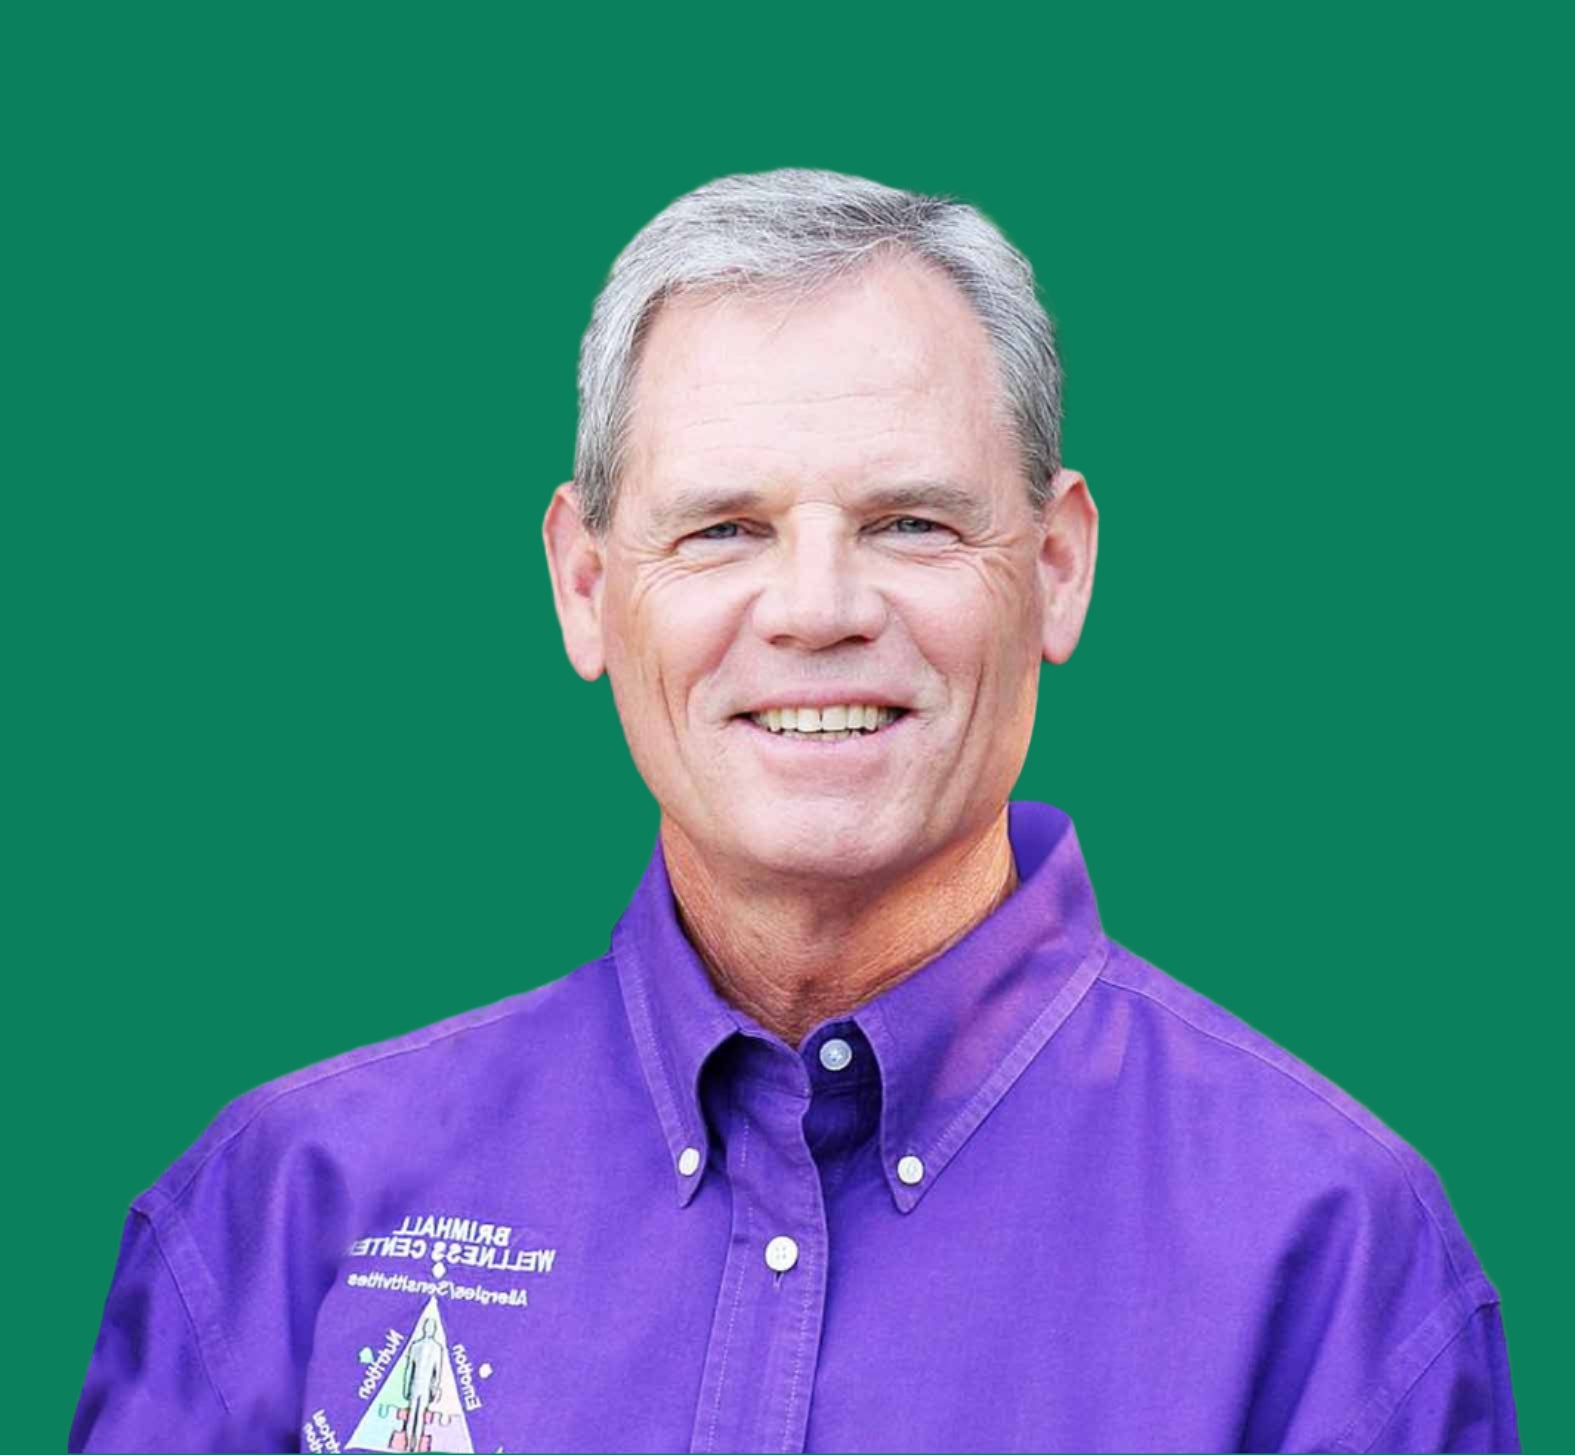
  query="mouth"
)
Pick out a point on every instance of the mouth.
point(825, 724)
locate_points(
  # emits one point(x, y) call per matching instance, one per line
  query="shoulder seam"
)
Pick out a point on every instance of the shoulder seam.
point(1461, 1279)
point(198, 1336)
point(1378, 1409)
point(175, 1194)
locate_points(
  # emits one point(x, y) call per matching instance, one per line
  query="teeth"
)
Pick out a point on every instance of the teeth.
point(828, 724)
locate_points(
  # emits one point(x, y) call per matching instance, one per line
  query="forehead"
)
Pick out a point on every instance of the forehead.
point(889, 370)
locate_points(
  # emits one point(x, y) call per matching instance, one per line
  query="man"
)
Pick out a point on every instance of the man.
point(863, 1135)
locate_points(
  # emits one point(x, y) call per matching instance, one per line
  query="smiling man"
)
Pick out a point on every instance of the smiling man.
point(863, 1135)
point(822, 601)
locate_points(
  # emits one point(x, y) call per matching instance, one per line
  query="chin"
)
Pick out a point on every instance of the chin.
point(820, 839)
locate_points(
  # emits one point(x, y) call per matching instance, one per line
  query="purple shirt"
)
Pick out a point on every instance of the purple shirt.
point(1036, 1196)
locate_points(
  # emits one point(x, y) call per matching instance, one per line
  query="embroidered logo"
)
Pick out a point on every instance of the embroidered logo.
point(452, 1250)
point(458, 1242)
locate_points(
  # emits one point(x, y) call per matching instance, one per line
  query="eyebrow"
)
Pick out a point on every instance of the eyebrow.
point(698, 503)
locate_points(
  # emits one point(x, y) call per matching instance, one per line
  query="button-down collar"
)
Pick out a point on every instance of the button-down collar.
point(950, 1038)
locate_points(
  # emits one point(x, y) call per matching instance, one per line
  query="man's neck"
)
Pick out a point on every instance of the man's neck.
point(796, 957)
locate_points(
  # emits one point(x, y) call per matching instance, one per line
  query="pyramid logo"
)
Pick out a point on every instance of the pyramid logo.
point(417, 1407)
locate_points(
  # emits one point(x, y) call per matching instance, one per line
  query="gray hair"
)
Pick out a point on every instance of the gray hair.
point(795, 230)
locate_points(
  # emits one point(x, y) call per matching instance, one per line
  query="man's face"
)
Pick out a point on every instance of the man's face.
point(822, 507)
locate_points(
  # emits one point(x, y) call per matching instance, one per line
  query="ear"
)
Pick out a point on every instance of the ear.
point(575, 561)
point(1066, 563)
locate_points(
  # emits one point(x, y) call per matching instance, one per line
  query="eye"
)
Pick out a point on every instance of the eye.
point(923, 527)
point(903, 525)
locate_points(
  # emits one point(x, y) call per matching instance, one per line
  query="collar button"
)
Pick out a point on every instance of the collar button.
point(835, 1054)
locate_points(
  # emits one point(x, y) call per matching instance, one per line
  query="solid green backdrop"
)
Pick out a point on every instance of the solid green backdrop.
point(299, 763)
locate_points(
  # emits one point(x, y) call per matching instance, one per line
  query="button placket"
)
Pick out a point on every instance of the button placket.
point(760, 1361)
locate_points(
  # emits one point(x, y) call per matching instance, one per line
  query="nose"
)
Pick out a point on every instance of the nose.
point(817, 593)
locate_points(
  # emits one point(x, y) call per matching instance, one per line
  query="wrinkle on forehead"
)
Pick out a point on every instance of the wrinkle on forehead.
point(692, 504)
point(897, 330)
point(890, 379)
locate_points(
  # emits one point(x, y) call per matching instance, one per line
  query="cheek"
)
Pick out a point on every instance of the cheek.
point(664, 638)
point(976, 625)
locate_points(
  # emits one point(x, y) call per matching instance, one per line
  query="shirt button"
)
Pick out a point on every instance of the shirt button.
point(688, 1160)
point(835, 1053)
point(781, 1254)
point(910, 1169)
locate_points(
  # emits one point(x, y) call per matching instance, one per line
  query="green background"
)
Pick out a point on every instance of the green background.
point(299, 763)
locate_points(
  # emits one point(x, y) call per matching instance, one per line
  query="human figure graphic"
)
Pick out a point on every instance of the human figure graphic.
point(423, 1385)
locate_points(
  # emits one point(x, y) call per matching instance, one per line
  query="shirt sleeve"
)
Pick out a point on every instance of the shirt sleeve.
point(149, 1383)
point(1461, 1401)
point(1385, 1331)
